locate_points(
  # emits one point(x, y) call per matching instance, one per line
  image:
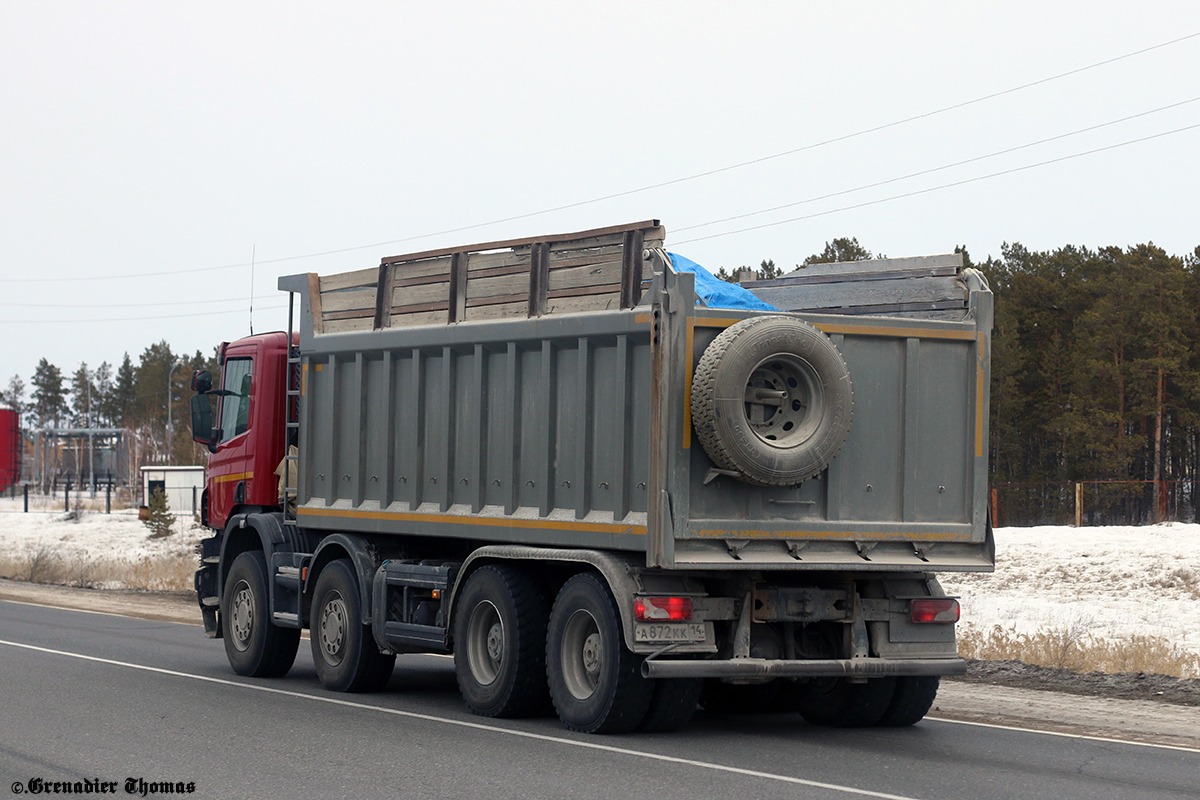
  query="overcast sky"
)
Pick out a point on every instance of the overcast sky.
point(151, 149)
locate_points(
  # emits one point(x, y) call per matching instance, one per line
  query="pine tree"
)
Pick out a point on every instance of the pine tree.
point(120, 403)
point(840, 249)
point(49, 399)
point(83, 398)
point(159, 518)
point(14, 395)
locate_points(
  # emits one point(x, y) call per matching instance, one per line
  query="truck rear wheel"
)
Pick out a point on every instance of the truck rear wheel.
point(344, 652)
point(913, 698)
point(673, 704)
point(842, 704)
point(595, 681)
point(772, 400)
point(254, 646)
point(500, 643)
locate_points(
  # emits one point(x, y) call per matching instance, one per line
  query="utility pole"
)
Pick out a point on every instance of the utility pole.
point(87, 378)
point(170, 421)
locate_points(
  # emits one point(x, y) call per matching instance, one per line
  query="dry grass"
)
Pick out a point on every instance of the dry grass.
point(1071, 647)
point(1184, 579)
point(46, 564)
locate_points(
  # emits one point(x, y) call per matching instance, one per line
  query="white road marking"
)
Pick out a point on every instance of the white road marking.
point(1063, 733)
point(476, 725)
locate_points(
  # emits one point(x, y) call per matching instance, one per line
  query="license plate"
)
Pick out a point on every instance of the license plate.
point(676, 632)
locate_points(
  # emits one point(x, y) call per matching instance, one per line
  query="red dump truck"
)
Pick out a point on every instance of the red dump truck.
point(553, 459)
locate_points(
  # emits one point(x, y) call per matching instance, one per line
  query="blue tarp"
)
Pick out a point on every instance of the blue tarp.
point(715, 292)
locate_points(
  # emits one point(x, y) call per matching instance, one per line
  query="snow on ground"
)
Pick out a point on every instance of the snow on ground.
point(1110, 583)
point(118, 536)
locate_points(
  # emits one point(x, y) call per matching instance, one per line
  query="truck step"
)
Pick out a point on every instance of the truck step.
point(288, 576)
point(406, 634)
point(287, 618)
point(211, 602)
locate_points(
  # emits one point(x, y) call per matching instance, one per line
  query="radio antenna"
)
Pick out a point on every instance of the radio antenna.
point(253, 250)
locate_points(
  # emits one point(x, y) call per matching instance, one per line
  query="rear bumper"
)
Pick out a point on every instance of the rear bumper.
point(822, 668)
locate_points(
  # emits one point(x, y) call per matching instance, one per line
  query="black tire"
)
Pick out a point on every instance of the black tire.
point(837, 702)
point(719, 697)
point(254, 646)
point(595, 681)
point(913, 698)
point(500, 643)
point(673, 703)
point(344, 652)
point(772, 400)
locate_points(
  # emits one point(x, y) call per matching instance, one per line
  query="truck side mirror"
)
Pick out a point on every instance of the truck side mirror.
point(202, 414)
point(201, 381)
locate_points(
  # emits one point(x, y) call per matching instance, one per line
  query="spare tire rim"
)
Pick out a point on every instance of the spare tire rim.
point(784, 401)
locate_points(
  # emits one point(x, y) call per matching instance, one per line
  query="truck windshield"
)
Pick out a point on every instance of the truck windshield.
point(235, 407)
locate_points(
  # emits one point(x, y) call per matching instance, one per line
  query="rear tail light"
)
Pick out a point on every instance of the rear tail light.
point(662, 609)
point(934, 609)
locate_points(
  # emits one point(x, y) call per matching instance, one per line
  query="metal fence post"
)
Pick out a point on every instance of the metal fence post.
point(27, 498)
point(108, 498)
point(67, 497)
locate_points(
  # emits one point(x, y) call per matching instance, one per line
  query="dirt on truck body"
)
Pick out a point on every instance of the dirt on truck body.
point(590, 474)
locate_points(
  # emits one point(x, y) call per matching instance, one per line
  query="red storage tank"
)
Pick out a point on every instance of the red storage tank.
point(10, 447)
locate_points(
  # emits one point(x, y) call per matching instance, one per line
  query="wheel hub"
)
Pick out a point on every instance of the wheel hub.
point(591, 655)
point(485, 642)
point(243, 616)
point(495, 643)
point(333, 629)
point(582, 654)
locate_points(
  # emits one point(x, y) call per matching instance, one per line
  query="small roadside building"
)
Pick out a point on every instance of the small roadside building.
point(181, 485)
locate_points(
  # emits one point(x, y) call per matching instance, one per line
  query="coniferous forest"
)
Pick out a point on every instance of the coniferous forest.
point(1095, 382)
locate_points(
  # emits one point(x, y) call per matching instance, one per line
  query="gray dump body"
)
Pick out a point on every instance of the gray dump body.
point(539, 392)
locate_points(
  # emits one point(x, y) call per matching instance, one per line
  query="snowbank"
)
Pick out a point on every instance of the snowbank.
point(1111, 583)
point(95, 535)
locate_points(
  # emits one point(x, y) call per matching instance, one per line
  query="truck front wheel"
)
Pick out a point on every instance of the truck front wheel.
point(254, 646)
point(500, 643)
point(594, 679)
point(344, 653)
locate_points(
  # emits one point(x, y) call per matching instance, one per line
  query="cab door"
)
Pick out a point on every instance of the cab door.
point(230, 467)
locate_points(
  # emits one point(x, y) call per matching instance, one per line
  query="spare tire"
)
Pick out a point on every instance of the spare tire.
point(772, 400)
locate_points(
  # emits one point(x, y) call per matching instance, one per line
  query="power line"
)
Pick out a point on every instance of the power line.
point(938, 169)
point(128, 319)
point(638, 190)
point(938, 188)
point(129, 305)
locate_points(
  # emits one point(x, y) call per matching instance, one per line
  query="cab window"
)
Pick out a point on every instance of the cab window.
point(235, 406)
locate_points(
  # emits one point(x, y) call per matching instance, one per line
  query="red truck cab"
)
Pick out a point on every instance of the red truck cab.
point(245, 429)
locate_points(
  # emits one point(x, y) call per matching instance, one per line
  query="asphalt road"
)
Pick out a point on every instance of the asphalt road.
point(93, 697)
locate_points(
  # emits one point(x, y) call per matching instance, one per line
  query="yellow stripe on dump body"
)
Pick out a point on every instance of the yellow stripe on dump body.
point(501, 522)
